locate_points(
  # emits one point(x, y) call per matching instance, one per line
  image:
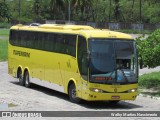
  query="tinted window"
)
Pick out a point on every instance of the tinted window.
point(102, 52)
point(54, 42)
point(12, 37)
point(82, 57)
point(70, 44)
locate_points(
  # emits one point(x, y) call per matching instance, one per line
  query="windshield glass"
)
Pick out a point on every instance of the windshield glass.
point(112, 61)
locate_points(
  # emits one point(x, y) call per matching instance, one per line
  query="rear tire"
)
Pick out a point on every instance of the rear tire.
point(26, 80)
point(21, 81)
point(72, 94)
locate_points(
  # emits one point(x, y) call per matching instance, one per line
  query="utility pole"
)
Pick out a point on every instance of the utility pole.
point(110, 11)
point(69, 10)
point(140, 15)
point(19, 8)
point(140, 11)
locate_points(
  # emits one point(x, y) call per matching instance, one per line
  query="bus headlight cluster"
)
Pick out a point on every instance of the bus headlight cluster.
point(132, 90)
point(96, 90)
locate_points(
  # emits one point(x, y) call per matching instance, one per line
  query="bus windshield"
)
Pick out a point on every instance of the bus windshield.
point(113, 61)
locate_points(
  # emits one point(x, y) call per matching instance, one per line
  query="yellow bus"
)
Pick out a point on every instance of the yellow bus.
point(78, 60)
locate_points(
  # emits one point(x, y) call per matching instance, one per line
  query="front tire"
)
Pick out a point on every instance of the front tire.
point(26, 80)
point(72, 94)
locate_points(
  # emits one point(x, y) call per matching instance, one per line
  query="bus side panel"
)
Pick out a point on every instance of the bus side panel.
point(71, 73)
point(52, 68)
point(42, 65)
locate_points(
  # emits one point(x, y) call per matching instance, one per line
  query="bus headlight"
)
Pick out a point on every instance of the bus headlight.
point(96, 90)
point(132, 90)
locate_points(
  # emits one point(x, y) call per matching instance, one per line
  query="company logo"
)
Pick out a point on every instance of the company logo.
point(21, 114)
point(21, 53)
point(6, 114)
point(115, 90)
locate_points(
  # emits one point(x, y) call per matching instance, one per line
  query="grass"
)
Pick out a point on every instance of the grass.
point(3, 50)
point(4, 35)
point(150, 84)
point(4, 32)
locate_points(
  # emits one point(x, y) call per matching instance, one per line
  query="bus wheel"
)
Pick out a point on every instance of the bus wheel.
point(21, 81)
point(26, 80)
point(72, 94)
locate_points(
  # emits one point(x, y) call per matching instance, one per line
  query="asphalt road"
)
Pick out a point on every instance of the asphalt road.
point(18, 98)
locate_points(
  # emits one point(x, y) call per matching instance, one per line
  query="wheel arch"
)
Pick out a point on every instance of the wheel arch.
point(26, 69)
point(71, 81)
point(19, 69)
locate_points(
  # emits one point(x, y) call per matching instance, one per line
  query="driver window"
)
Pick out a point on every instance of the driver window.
point(82, 57)
point(123, 63)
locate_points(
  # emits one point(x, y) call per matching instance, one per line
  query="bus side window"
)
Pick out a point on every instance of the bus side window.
point(82, 57)
point(19, 39)
point(28, 41)
point(51, 42)
point(70, 45)
point(58, 39)
point(12, 38)
point(46, 42)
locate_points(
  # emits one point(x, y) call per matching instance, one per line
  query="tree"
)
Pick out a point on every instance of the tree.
point(133, 1)
point(57, 9)
point(100, 10)
point(82, 8)
point(4, 11)
point(37, 7)
point(149, 49)
point(151, 12)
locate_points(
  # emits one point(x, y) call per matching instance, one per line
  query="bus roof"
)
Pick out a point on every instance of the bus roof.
point(87, 31)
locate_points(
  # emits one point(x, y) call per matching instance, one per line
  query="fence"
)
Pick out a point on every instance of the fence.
point(110, 25)
point(103, 25)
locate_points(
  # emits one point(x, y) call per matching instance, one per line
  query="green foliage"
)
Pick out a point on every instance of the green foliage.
point(151, 80)
point(81, 10)
point(4, 11)
point(149, 49)
point(100, 11)
point(26, 9)
point(151, 11)
point(24, 20)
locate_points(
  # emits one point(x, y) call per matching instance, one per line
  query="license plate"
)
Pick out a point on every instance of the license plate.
point(116, 97)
